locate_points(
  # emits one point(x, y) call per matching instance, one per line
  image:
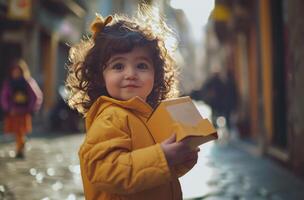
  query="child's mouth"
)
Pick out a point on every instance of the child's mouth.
point(130, 86)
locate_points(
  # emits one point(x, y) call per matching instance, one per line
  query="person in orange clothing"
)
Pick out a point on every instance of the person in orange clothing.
point(20, 97)
point(115, 78)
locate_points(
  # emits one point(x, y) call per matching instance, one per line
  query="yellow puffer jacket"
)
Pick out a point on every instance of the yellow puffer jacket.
point(119, 158)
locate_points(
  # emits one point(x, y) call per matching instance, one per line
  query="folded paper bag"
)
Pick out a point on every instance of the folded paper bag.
point(180, 116)
point(195, 135)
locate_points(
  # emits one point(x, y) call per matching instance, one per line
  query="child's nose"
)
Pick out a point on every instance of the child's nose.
point(130, 73)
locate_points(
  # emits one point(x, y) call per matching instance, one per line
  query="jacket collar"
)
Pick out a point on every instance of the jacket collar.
point(135, 104)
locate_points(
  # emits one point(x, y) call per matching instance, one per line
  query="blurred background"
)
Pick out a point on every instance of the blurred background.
point(241, 61)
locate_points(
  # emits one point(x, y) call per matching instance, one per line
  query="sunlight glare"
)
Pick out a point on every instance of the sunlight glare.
point(196, 182)
point(197, 12)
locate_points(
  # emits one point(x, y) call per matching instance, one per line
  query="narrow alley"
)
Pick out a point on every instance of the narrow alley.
point(224, 170)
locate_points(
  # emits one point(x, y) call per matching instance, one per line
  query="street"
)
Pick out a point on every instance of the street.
point(50, 171)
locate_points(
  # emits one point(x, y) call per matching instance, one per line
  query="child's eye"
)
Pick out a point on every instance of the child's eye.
point(118, 66)
point(142, 66)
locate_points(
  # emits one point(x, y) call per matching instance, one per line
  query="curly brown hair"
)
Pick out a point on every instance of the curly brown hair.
point(121, 35)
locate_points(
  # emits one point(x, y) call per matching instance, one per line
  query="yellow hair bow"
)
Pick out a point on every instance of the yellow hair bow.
point(98, 24)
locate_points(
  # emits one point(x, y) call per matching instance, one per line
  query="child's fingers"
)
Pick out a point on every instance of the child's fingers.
point(190, 163)
point(170, 140)
point(194, 153)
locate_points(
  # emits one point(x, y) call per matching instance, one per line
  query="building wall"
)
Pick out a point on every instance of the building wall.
point(296, 83)
point(272, 43)
point(36, 39)
point(266, 64)
point(253, 80)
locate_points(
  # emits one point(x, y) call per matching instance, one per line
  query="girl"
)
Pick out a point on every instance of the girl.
point(115, 79)
point(20, 96)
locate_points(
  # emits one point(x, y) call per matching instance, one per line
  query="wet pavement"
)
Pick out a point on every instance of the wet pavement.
point(224, 171)
point(50, 170)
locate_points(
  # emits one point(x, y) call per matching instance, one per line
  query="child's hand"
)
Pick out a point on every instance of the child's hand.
point(189, 164)
point(178, 152)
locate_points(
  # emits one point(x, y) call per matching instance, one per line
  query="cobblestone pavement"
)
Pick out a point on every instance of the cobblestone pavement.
point(226, 172)
point(50, 171)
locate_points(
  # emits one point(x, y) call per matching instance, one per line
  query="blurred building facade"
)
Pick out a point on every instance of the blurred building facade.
point(260, 42)
point(39, 32)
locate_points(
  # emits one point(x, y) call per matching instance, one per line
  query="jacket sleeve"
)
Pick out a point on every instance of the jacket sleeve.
point(35, 94)
point(110, 164)
point(5, 96)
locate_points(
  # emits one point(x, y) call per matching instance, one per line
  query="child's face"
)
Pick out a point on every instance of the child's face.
point(16, 73)
point(130, 74)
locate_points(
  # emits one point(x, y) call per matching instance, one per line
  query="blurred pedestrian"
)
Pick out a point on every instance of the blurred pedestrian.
point(125, 72)
point(20, 97)
point(220, 93)
point(231, 98)
point(213, 94)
